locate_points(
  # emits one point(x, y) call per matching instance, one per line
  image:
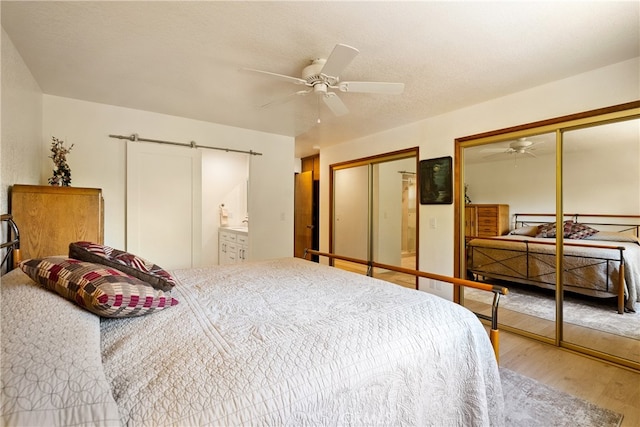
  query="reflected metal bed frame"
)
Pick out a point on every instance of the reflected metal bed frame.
point(604, 222)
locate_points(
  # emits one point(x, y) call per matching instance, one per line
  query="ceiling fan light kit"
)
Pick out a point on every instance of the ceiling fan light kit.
point(323, 74)
point(521, 145)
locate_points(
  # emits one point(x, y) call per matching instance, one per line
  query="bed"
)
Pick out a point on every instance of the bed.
point(275, 342)
point(601, 255)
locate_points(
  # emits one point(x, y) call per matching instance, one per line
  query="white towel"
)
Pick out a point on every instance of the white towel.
point(224, 217)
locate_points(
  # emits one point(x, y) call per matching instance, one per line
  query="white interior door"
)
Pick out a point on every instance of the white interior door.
point(164, 204)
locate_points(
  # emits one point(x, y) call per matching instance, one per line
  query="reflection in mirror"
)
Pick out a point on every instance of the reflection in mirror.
point(503, 179)
point(585, 169)
point(394, 218)
point(602, 176)
point(375, 215)
point(351, 212)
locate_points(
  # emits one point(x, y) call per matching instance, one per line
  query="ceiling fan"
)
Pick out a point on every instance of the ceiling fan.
point(324, 74)
point(519, 146)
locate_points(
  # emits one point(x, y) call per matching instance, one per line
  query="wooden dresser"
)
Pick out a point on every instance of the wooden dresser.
point(49, 218)
point(486, 220)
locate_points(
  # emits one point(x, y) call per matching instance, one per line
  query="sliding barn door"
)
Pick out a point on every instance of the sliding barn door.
point(164, 204)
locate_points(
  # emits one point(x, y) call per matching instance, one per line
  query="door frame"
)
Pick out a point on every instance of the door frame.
point(303, 225)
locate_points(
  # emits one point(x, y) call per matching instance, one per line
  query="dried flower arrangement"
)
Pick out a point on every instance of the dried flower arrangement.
point(62, 172)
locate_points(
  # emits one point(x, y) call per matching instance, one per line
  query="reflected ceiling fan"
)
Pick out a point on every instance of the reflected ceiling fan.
point(324, 74)
point(519, 146)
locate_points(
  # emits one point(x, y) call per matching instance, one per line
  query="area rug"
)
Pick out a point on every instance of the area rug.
point(594, 313)
point(529, 403)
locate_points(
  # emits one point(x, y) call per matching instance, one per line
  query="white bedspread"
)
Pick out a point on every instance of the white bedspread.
point(291, 342)
point(50, 366)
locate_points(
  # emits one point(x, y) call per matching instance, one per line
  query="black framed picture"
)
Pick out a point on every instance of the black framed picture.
point(435, 181)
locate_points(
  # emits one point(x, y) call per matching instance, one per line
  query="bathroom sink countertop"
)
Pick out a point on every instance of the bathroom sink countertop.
point(237, 228)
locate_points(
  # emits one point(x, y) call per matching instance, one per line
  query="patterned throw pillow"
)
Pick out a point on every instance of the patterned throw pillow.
point(549, 229)
point(104, 291)
point(579, 231)
point(527, 230)
point(131, 264)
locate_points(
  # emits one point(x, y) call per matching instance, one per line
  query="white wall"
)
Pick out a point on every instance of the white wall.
point(528, 187)
point(615, 84)
point(271, 198)
point(603, 180)
point(99, 161)
point(21, 150)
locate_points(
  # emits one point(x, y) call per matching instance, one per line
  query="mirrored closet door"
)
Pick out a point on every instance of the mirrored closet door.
point(601, 177)
point(571, 254)
point(518, 176)
point(374, 214)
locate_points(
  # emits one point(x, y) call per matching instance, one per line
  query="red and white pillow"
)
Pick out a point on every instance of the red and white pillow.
point(102, 290)
point(126, 262)
point(570, 230)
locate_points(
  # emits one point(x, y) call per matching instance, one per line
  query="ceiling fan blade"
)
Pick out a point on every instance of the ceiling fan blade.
point(284, 99)
point(494, 150)
point(494, 155)
point(372, 87)
point(340, 57)
point(335, 104)
point(282, 77)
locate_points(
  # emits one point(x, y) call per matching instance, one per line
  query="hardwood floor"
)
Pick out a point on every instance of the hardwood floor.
point(603, 384)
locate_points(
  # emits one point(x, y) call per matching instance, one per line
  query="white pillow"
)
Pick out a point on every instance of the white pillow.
point(527, 230)
point(52, 372)
point(612, 236)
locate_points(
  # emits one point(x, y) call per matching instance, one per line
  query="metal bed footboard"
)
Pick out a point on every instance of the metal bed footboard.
point(503, 269)
point(494, 333)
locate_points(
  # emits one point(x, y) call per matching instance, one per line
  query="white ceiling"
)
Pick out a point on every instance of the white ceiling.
point(182, 58)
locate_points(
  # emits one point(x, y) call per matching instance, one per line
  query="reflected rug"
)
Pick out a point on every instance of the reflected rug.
point(529, 403)
point(594, 313)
